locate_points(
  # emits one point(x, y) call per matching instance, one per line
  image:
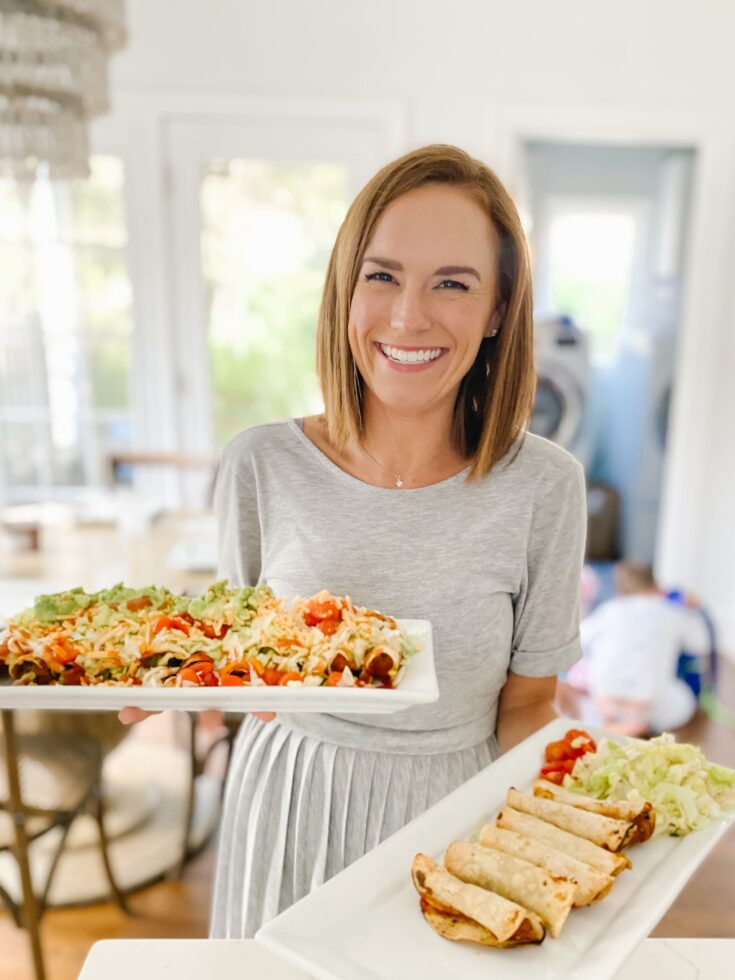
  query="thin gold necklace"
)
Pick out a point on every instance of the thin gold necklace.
point(396, 476)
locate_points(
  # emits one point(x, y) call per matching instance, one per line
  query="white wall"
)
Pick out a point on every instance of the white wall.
point(481, 73)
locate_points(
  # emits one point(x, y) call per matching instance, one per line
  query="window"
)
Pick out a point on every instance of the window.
point(591, 251)
point(65, 333)
point(267, 232)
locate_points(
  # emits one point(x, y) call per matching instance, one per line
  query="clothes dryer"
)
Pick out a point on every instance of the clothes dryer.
point(561, 354)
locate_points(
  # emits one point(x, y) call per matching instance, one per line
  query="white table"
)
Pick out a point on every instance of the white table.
point(242, 959)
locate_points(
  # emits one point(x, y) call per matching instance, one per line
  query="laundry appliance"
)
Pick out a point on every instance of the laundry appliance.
point(636, 435)
point(560, 411)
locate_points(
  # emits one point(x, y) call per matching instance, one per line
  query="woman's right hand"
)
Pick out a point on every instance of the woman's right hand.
point(131, 716)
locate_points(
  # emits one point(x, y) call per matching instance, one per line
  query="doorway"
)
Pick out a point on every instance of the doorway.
point(608, 228)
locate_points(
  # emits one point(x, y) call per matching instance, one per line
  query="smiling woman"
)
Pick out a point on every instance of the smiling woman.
point(429, 262)
point(416, 320)
point(419, 492)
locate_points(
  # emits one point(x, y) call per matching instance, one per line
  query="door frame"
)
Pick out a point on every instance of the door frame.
point(681, 548)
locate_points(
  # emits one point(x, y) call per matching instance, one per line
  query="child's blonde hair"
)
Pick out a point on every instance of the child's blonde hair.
point(631, 578)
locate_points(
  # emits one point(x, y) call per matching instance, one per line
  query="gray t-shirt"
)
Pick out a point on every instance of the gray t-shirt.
point(495, 566)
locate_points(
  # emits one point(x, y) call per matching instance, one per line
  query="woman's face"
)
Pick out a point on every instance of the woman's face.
point(424, 299)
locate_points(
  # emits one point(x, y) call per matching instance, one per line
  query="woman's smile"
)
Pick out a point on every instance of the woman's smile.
point(411, 359)
point(429, 303)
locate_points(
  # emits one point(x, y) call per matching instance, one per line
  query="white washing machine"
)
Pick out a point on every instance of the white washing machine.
point(636, 443)
point(561, 354)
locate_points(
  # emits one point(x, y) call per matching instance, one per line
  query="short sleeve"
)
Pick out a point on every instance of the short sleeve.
point(546, 608)
point(238, 524)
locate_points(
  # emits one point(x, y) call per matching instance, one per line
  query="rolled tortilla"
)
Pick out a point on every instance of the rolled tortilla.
point(642, 814)
point(453, 925)
point(549, 896)
point(504, 919)
point(31, 669)
point(592, 885)
point(605, 831)
point(577, 847)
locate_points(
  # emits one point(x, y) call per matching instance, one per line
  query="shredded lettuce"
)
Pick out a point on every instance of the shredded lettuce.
point(686, 790)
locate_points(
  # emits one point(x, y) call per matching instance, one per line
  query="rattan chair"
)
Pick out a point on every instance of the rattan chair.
point(46, 780)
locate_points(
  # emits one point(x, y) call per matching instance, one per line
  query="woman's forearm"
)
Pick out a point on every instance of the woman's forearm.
point(515, 724)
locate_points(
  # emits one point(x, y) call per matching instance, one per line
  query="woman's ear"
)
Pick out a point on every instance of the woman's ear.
point(496, 318)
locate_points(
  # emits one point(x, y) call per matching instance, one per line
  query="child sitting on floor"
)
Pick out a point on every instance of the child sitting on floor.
point(631, 646)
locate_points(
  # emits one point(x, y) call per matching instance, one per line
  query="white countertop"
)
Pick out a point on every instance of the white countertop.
point(235, 959)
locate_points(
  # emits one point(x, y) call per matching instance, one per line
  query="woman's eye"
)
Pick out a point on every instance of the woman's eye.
point(450, 283)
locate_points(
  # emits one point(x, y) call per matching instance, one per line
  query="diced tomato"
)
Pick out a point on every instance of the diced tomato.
point(586, 742)
point(170, 623)
point(556, 750)
point(563, 766)
point(199, 656)
point(577, 733)
point(63, 651)
point(316, 611)
point(272, 676)
point(200, 673)
point(212, 632)
point(554, 777)
point(186, 617)
point(240, 671)
point(232, 680)
point(290, 675)
point(189, 675)
point(334, 678)
point(329, 626)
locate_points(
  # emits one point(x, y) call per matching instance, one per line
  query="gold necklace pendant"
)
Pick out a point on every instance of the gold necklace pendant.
point(399, 482)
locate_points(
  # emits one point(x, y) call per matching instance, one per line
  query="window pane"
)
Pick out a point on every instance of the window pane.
point(98, 204)
point(65, 331)
point(24, 452)
point(16, 279)
point(108, 357)
point(268, 231)
point(591, 258)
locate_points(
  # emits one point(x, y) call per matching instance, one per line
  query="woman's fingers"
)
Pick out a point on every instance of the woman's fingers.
point(131, 716)
point(211, 720)
point(265, 715)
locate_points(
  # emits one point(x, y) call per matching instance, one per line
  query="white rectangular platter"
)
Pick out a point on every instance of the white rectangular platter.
point(418, 686)
point(365, 923)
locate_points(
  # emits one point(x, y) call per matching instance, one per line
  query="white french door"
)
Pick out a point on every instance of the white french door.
point(254, 207)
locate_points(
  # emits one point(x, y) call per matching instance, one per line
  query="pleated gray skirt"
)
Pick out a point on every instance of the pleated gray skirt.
point(298, 810)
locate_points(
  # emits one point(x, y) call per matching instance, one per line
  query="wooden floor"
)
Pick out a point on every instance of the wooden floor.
point(181, 908)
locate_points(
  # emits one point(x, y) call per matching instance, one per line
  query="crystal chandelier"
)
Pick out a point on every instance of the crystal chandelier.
point(53, 78)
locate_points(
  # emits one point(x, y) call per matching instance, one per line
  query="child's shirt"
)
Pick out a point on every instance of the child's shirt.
point(632, 645)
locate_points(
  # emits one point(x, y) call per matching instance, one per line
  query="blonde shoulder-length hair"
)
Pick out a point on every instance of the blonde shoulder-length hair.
point(495, 397)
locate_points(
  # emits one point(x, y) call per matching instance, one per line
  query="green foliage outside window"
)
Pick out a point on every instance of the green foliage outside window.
point(268, 231)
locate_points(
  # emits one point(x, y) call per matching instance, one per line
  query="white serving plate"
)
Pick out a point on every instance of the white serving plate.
point(418, 686)
point(365, 923)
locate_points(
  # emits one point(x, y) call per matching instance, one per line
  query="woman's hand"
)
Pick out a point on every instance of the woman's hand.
point(131, 716)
